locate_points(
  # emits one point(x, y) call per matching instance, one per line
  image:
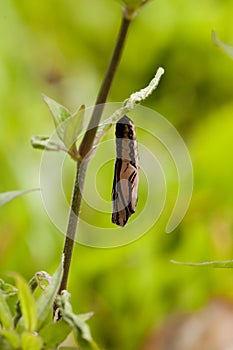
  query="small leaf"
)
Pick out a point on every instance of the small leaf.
point(45, 301)
point(59, 114)
point(43, 277)
point(6, 197)
point(77, 322)
point(27, 303)
point(44, 142)
point(226, 48)
point(5, 313)
point(74, 127)
point(37, 280)
point(12, 337)
point(128, 105)
point(34, 282)
point(217, 264)
point(31, 341)
point(7, 289)
point(85, 317)
point(4, 345)
point(55, 333)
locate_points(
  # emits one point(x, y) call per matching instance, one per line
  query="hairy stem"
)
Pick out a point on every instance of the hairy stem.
point(86, 146)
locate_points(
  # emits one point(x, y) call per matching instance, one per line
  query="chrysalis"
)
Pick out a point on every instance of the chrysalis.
point(125, 184)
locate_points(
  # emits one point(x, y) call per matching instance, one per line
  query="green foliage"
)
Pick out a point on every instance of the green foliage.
point(31, 341)
point(44, 143)
point(7, 289)
point(31, 326)
point(5, 313)
point(65, 55)
point(60, 115)
point(74, 127)
point(54, 333)
point(11, 337)
point(68, 128)
point(77, 322)
point(27, 303)
point(6, 197)
point(217, 264)
point(226, 48)
point(45, 302)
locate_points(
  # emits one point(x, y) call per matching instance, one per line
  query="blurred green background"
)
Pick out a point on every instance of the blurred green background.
point(61, 48)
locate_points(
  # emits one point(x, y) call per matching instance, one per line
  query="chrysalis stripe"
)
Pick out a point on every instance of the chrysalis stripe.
point(125, 184)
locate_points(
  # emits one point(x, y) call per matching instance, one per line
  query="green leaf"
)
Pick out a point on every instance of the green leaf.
point(77, 322)
point(4, 345)
point(27, 303)
point(74, 127)
point(55, 333)
point(34, 282)
point(45, 301)
point(59, 114)
point(217, 264)
point(12, 337)
point(226, 48)
point(128, 105)
point(44, 142)
point(5, 313)
point(32, 285)
point(6, 197)
point(41, 277)
point(7, 289)
point(31, 341)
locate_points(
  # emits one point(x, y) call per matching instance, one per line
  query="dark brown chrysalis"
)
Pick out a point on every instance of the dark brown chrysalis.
point(125, 184)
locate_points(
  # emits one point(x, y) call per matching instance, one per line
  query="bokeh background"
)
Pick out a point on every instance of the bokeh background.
point(61, 48)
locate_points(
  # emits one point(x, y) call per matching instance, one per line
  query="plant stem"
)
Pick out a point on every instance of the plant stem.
point(86, 146)
point(88, 139)
point(71, 228)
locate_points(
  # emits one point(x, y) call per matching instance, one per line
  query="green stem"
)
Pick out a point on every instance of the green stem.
point(86, 146)
point(71, 228)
